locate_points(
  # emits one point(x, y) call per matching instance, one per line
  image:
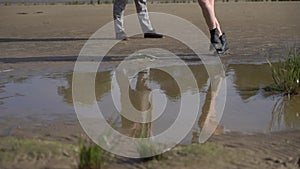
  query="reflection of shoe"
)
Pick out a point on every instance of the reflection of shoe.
point(215, 39)
point(153, 35)
point(224, 44)
point(121, 36)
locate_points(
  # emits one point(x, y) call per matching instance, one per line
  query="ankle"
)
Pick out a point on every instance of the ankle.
point(213, 29)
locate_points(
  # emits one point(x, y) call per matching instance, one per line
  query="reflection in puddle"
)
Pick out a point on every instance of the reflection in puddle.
point(140, 97)
point(248, 108)
point(33, 98)
point(286, 114)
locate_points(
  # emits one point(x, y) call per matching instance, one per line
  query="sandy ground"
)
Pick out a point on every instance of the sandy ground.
point(254, 30)
point(226, 151)
point(277, 150)
point(43, 39)
point(36, 39)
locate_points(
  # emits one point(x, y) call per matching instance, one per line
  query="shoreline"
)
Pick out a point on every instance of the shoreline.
point(231, 150)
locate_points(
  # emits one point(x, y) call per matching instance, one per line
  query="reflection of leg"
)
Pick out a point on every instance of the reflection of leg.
point(125, 89)
point(145, 75)
point(208, 111)
point(208, 122)
point(140, 100)
point(118, 13)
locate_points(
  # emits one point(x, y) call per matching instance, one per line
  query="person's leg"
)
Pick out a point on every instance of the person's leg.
point(218, 26)
point(217, 38)
point(118, 14)
point(221, 33)
point(208, 11)
point(143, 15)
point(142, 12)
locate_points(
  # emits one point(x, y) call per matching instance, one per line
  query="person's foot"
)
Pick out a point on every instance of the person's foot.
point(121, 36)
point(153, 34)
point(215, 39)
point(224, 44)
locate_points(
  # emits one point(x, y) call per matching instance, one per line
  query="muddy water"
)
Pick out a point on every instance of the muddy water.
point(248, 109)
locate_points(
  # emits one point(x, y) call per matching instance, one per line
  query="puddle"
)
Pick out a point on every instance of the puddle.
point(34, 98)
point(248, 108)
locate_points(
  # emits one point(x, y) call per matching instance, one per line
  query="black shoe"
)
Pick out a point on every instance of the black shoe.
point(224, 44)
point(153, 35)
point(215, 39)
point(121, 36)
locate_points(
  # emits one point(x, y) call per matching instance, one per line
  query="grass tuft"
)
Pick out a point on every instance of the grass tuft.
point(92, 156)
point(286, 74)
point(146, 148)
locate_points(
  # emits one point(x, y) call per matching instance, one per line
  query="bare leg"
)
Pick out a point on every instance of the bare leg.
point(208, 10)
point(217, 36)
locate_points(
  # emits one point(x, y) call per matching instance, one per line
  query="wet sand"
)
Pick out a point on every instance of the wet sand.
point(254, 30)
point(38, 40)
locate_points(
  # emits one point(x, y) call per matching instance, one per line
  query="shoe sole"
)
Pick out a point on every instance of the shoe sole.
point(226, 52)
point(212, 48)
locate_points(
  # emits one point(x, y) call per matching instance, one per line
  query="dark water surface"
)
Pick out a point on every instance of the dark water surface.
point(248, 109)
